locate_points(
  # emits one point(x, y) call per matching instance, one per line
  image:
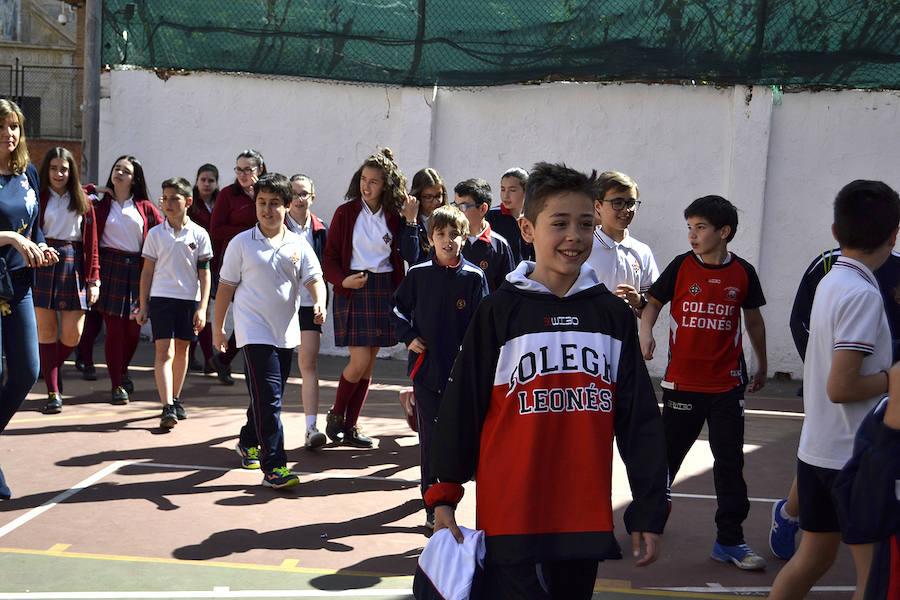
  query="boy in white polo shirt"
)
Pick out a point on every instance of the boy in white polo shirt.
point(844, 376)
point(174, 293)
point(263, 271)
point(623, 264)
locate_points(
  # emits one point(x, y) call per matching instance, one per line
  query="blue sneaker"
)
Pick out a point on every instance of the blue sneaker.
point(741, 555)
point(249, 456)
point(783, 535)
point(280, 477)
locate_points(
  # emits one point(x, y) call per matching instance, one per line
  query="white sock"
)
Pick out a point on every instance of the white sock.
point(310, 421)
point(785, 515)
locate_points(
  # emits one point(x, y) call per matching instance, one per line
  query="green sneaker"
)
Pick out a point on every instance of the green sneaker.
point(249, 456)
point(280, 477)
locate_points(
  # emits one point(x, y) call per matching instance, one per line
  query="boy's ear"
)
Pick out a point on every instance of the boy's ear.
point(527, 229)
point(483, 208)
point(188, 201)
point(724, 231)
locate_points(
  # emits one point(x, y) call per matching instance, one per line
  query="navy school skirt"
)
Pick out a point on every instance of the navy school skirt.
point(362, 319)
point(120, 282)
point(61, 286)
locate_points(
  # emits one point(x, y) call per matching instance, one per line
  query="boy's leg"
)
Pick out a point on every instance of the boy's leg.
point(570, 579)
point(266, 374)
point(813, 558)
point(308, 362)
point(428, 404)
point(726, 440)
point(162, 369)
point(862, 560)
point(683, 416)
point(514, 582)
point(179, 366)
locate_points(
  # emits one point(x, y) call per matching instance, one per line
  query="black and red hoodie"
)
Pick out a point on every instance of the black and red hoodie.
point(539, 389)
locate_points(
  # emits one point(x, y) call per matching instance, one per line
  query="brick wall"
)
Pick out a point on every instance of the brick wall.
point(37, 149)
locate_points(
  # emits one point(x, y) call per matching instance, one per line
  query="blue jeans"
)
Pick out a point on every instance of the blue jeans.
point(266, 370)
point(18, 333)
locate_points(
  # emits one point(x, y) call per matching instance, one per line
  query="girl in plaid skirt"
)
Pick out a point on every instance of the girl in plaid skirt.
point(362, 262)
point(62, 293)
point(124, 216)
point(206, 189)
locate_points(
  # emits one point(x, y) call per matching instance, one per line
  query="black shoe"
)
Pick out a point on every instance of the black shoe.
point(127, 383)
point(89, 373)
point(334, 427)
point(195, 365)
point(208, 367)
point(54, 404)
point(79, 364)
point(168, 419)
point(179, 410)
point(354, 437)
point(119, 396)
point(224, 371)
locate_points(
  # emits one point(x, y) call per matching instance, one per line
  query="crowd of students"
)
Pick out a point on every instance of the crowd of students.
point(512, 340)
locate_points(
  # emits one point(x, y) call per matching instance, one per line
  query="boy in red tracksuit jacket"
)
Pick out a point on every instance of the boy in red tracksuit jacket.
point(549, 372)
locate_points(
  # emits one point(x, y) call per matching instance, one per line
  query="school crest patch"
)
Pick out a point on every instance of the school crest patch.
point(461, 303)
point(694, 289)
point(484, 265)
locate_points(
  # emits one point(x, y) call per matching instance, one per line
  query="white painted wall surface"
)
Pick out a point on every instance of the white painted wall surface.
point(780, 164)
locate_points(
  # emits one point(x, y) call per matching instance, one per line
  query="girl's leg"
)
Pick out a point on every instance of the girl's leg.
point(352, 435)
point(93, 322)
point(71, 326)
point(132, 337)
point(116, 346)
point(47, 333)
point(18, 332)
point(162, 369)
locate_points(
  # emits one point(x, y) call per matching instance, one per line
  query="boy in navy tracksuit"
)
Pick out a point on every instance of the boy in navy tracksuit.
point(432, 309)
point(486, 249)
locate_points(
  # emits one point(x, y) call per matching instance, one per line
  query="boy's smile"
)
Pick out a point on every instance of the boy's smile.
point(270, 211)
point(614, 222)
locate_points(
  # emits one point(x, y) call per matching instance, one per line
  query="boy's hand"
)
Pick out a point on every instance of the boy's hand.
point(355, 281)
point(220, 340)
point(445, 518)
point(648, 344)
point(199, 321)
point(141, 316)
point(757, 382)
point(417, 345)
point(651, 542)
point(628, 294)
point(319, 314)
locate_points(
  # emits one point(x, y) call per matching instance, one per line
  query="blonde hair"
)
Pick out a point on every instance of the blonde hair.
point(18, 158)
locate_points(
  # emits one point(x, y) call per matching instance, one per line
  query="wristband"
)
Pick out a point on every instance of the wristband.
point(644, 302)
point(445, 492)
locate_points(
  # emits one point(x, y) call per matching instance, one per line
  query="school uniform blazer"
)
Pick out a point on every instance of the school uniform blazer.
point(339, 247)
point(199, 213)
point(320, 235)
point(147, 210)
point(89, 239)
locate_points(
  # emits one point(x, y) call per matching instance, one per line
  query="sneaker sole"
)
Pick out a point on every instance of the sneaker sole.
point(290, 483)
point(737, 563)
point(52, 411)
point(317, 442)
point(168, 423)
point(119, 402)
point(246, 465)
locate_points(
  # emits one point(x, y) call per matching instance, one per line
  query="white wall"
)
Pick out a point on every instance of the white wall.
point(780, 164)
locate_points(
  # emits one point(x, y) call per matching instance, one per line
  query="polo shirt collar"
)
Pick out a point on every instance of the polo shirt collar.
point(607, 241)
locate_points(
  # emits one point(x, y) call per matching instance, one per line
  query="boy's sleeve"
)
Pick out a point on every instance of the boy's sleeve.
point(149, 249)
point(204, 250)
point(867, 490)
point(640, 439)
point(464, 407)
point(404, 308)
point(856, 323)
point(230, 270)
point(310, 269)
point(663, 289)
point(755, 297)
point(650, 274)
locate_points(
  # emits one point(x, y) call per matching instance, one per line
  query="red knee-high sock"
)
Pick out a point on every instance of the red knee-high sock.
point(49, 366)
point(116, 347)
point(62, 352)
point(345, 391)
point(356, 402)
point(132, 337)
point(93, 323)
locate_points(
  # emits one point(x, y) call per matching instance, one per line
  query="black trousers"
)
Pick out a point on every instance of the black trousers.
point(427, 405)
point(684, 414)
point(562, 580)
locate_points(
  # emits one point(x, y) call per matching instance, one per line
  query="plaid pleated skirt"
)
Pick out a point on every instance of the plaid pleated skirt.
point(120, 282)
point(362, 319)
point(61, 286)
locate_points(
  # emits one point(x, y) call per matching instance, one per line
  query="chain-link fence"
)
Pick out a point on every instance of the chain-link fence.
point(839, 43)
point(48, 96)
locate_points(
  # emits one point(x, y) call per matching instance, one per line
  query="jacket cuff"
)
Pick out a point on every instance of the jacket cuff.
point(445, 492)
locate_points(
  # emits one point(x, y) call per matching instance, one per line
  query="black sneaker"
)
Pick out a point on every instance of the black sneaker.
point(54, 404)
point(119, 396)
point(334, 427)
point(179, 410)
point(208, 367)
point(89, 373)
point(195, 365)
point(354, 437)
point(168, 419)
point(127, 383)
point(223, 371)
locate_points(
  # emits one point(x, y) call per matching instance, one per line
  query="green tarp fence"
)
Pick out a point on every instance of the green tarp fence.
point(833, 43)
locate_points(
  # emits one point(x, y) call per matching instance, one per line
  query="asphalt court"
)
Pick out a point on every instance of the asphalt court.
point(105, 505)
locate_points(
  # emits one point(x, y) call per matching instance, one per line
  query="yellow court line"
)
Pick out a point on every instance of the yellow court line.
point(175, 561)
point(48, 418)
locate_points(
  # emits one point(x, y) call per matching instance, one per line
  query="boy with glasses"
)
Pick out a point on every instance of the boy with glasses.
point(623, 264)
point(485, 248)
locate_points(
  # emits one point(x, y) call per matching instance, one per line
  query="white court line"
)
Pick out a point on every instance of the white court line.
point(215, 593)
point(34, 512)
point(716, 588)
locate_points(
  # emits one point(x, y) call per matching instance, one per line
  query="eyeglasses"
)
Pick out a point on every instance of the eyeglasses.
point(303, 196)
point(464, 207)
point(620, 203)
point(432, 198)
point(245, 171)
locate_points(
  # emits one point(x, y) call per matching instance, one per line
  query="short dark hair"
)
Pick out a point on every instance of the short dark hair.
point(181, 186)
point(277, 184)
point(866, 213)
point(715, 209)
point(448, 215)
point(477, 189)
point(548, 179)
point(516, 173)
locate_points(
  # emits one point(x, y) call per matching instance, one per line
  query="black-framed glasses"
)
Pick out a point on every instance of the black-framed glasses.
point(620, 203)
point(303, 196)
point(432, 197)
point(245, 170)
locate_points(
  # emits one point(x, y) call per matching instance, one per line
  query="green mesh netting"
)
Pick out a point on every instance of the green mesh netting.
point(839, 43)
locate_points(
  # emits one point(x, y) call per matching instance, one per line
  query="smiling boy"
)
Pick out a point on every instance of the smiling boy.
point(550, 363)
point(432, 309)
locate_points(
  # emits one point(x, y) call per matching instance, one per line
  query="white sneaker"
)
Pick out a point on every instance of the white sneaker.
point(315, 438)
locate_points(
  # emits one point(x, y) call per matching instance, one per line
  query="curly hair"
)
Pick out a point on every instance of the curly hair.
point(394, 194)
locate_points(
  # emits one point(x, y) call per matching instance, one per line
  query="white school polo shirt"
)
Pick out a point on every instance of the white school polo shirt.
point(60, 223)
point(176, 256)
point(847, 314)
point(627, 262)
point(371, 242)
point(268, 275)
point(306, 232)
point(124, 228)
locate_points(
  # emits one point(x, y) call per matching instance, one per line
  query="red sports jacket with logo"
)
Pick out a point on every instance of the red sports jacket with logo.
point(537, 392)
